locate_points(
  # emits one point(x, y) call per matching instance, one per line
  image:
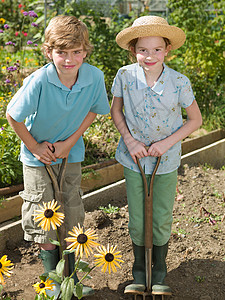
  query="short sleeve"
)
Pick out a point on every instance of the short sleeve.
point(186, 96)
point(25, 101)
point(101, 103)
point(116, 89)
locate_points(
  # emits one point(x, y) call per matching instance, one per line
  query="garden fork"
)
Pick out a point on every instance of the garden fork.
point(148, 227)
point(58, 195)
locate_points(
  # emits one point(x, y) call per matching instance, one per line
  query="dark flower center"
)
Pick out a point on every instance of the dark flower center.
point(0, 265)
point(48, 213)
point(109, 257)
point(82, 238)
point(41, 285)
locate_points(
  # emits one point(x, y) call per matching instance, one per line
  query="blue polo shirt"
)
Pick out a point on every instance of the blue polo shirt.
point(152, 114)
point(53, 112)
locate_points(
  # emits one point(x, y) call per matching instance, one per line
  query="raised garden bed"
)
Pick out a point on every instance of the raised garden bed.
point(209, 149)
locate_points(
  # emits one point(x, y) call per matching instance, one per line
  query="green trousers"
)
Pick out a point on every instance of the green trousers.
point(164, 191)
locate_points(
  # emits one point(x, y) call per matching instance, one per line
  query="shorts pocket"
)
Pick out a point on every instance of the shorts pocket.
point(30, 204)
point(30, 197)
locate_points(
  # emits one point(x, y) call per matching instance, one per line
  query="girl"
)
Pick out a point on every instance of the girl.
point(146, 109)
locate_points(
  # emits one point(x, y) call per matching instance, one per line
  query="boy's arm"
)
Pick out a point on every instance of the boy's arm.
point(62, 148)
point(193, 123)
point(42, 151)
point(135, 148)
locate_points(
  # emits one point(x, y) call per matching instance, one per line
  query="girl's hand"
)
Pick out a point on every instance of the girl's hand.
point(43, 152)
point(158, 149)
point(62, 149)
point(136, 149)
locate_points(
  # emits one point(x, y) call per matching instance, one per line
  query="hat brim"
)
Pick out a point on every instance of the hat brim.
point(175, 35)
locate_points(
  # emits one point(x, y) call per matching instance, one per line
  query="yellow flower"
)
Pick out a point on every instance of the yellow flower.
point(41, 287)
point(47, 216)
point(82, 240)
point(108, 258)
point(5, 268)
point(2, 21)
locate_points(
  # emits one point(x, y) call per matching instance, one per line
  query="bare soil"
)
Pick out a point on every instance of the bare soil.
point(196, 265)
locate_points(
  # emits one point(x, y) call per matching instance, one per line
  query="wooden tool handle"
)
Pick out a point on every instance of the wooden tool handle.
point(148, 204)
point(58, 195)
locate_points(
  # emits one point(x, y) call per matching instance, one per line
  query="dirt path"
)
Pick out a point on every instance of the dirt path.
point(196, 265)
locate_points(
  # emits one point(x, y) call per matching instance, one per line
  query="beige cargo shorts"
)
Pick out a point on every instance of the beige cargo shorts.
point(38, 188)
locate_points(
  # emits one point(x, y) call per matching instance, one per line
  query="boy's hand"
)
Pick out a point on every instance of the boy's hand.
point(44, 152)
point(136, 149)
point(62, 149)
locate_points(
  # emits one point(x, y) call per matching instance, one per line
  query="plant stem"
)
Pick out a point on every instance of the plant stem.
point(60, 246)
point(85, 275)
point(75, 269)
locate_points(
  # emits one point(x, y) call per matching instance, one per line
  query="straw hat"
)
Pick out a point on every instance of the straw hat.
point(151, 26)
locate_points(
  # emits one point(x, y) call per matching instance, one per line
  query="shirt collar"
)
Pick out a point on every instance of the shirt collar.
point(85, 77)
point(159, 86)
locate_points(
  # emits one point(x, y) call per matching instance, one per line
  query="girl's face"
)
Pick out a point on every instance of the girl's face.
point(67, 61)
point(150, 52)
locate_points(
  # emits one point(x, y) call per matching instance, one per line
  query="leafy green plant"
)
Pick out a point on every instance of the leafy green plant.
point(18, 54)
point(200, 279)
point(180, 233)
point(86, 173)
point(10, 166)
point(202, 57)
point(81, 242)
point(107, 55)
point(101, 139)
point(207, 166)
point(196, 220)
point(217, 194)
point(110, 209)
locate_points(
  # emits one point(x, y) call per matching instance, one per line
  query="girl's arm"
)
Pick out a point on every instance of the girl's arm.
point(62, 148)
point(42, 151)
point(135, 148)
point(193, 123)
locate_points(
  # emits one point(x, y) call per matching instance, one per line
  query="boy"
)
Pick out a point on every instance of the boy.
point(59, 102)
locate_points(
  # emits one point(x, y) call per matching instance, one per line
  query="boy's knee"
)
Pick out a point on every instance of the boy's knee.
point(47, 247)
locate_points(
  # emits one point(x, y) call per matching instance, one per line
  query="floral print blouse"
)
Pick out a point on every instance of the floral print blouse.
point(152, 114)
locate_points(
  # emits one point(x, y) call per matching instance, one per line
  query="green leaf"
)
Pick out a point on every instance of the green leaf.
point(67, 288)
point(53, 275)
point(83, 266)
point(54, 242)
point(43, 277)
point(60, 267)
point(78, 291)
point(68, 251)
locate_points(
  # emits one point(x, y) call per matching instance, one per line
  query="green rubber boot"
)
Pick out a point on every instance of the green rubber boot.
point(138, 271)
point(50, 259)
point(87, 291)
point(159, 271)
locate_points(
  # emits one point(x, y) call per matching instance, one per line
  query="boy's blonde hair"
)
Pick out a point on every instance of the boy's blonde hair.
point(66, 32)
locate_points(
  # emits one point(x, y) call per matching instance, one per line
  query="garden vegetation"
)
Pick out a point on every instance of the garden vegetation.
point(201, 58)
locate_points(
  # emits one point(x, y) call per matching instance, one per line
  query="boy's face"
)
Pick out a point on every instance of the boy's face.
point(67, 61)
point(150, 52)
